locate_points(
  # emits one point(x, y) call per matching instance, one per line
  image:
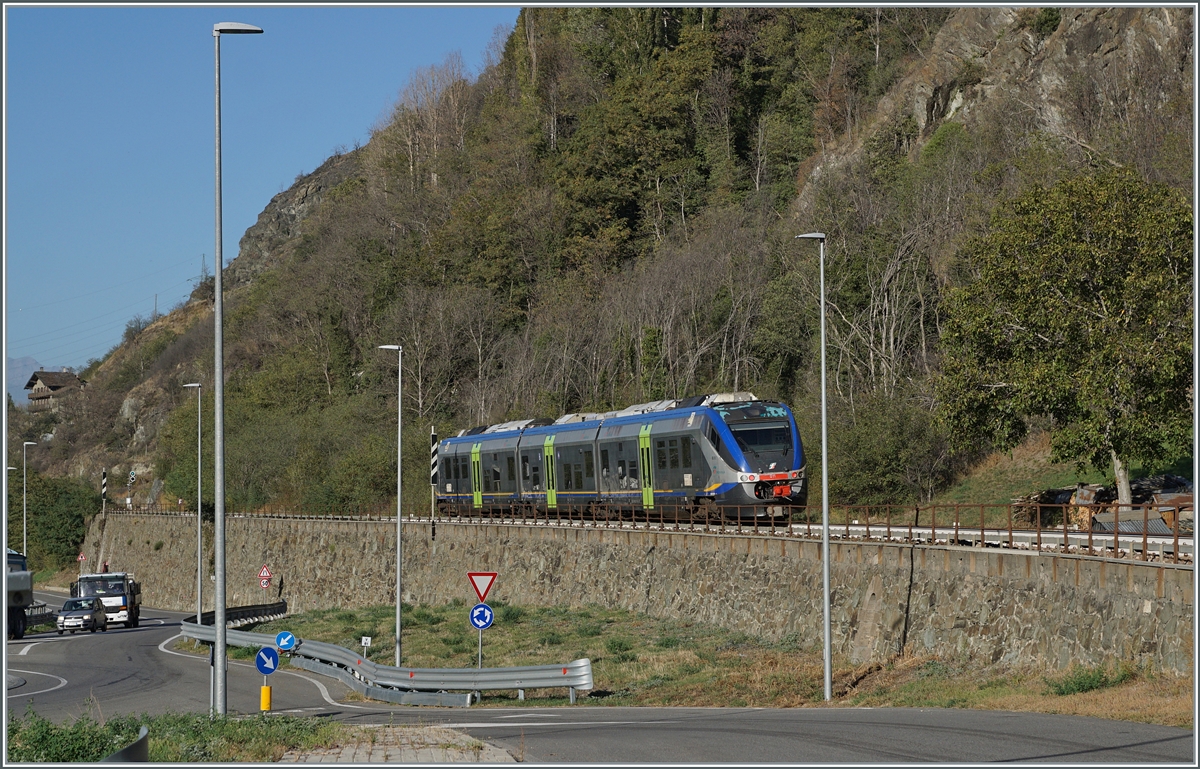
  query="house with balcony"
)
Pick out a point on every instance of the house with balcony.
point(48, 388)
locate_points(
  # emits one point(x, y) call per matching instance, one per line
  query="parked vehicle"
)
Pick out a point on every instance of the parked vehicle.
point(82, 614)
point(725, 454)
point(119, 591)
point(19, 583)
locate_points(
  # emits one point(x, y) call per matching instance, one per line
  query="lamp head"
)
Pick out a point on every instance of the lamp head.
point(812, 236)
point(234, 28)
point(193, 384)
point(29, 443)
point(389, 347)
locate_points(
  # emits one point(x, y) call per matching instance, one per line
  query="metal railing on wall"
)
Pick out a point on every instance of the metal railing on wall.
point(1137, 532)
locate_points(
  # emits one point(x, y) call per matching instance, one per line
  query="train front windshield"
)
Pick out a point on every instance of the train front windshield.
point(759, 440)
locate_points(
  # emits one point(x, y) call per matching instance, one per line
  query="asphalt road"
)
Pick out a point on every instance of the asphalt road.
point(135, 670)
point(130, 671)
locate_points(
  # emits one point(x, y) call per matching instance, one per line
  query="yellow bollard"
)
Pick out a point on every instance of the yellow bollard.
point(265, 699)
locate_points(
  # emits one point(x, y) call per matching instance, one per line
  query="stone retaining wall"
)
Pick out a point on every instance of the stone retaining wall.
point(987, 604)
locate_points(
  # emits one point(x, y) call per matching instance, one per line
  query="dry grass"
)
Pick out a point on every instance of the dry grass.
point(932, 682)
point(640, 660)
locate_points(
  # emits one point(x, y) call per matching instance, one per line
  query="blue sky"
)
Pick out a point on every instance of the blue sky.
point(108, 154)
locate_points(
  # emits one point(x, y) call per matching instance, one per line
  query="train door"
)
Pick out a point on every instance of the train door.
point(647, 467)
point(551, 479)
point(477, 475)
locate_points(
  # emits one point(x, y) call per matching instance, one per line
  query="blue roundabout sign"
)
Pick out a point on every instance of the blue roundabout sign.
point(482, 616)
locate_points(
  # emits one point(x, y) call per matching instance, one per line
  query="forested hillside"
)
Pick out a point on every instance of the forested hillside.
point(606, 215)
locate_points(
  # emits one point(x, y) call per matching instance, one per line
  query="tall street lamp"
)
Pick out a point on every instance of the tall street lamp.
point(399, 429)
point(10, 470)
point(24, 503)
point(199, 500)
point(221, 28)
point(820, 238)
point(199, 530)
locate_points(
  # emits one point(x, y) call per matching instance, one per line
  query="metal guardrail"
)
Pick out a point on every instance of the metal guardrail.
point(245, 615)
point(331, 659)
point(138, 750)
point(38, 614)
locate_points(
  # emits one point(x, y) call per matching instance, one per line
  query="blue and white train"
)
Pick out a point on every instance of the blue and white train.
point(727, 453)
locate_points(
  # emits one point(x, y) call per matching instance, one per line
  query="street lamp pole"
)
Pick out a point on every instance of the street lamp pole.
point(10, 470)
point(820, 238)
point(221, 28)
point(24, 503)
point(199, 532)
point(399, 431)
point(199, 502)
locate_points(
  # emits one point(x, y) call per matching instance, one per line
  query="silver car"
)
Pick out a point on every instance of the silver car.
point(82, 614)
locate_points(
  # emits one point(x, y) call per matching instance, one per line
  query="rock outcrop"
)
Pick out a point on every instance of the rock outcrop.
point(279, 226)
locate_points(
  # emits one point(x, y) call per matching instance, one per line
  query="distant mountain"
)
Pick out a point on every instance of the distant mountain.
point(19, 370)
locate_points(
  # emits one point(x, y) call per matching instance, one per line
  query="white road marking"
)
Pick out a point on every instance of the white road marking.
point(488, 724)
point(61, 683)
point(533, 715)
point(325, 692)
point(25, 651)
point(320, 686)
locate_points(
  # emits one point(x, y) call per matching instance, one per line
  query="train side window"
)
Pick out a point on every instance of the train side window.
point(714, 439)
point(495, 477)
point(589, 469)
point(524, 468)
point(620, 468)
point(686, 448)
point(446, 476)
point(537, 477)
point(578, 477)
point(633, 469)
point(660, 454)
point(604, 462)
point(673, 452)
point(567, 477)
point(454, 462)
point(512, 469)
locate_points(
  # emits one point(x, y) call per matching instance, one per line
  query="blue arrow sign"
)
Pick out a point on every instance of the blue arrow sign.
point(267, 660)
point(285, 641)
point(482, 616)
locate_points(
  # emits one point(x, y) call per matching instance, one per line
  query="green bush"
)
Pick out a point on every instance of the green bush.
point(1081, 679)
point(174, 738)
point(57, 509)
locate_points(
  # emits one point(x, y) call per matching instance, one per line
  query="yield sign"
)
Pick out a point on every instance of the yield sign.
point(482, 582)
point(264, 572)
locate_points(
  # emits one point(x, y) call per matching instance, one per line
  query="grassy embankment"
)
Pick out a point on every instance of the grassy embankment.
point(639, 660)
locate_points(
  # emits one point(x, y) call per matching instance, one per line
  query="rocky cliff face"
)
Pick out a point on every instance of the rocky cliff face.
point(280, 225)
point(1098, 67)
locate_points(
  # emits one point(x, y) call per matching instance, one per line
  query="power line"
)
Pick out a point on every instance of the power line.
point(135, 279)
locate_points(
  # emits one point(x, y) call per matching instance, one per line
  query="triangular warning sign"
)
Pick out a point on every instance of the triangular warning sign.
point(264, 573)
point(482, 582)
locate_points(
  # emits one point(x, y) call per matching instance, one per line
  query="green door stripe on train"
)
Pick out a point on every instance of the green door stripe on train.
point(477, 474)
point(551, 480)
point(647, 467)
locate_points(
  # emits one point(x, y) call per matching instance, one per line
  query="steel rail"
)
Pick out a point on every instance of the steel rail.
point(574, 676)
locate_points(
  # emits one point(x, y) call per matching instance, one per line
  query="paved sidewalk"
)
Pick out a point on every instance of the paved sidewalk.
point(392, 744)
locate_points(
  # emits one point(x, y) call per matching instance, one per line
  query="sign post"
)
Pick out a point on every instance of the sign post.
point(433, 479)
point(267, 662)
point(481, 616)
